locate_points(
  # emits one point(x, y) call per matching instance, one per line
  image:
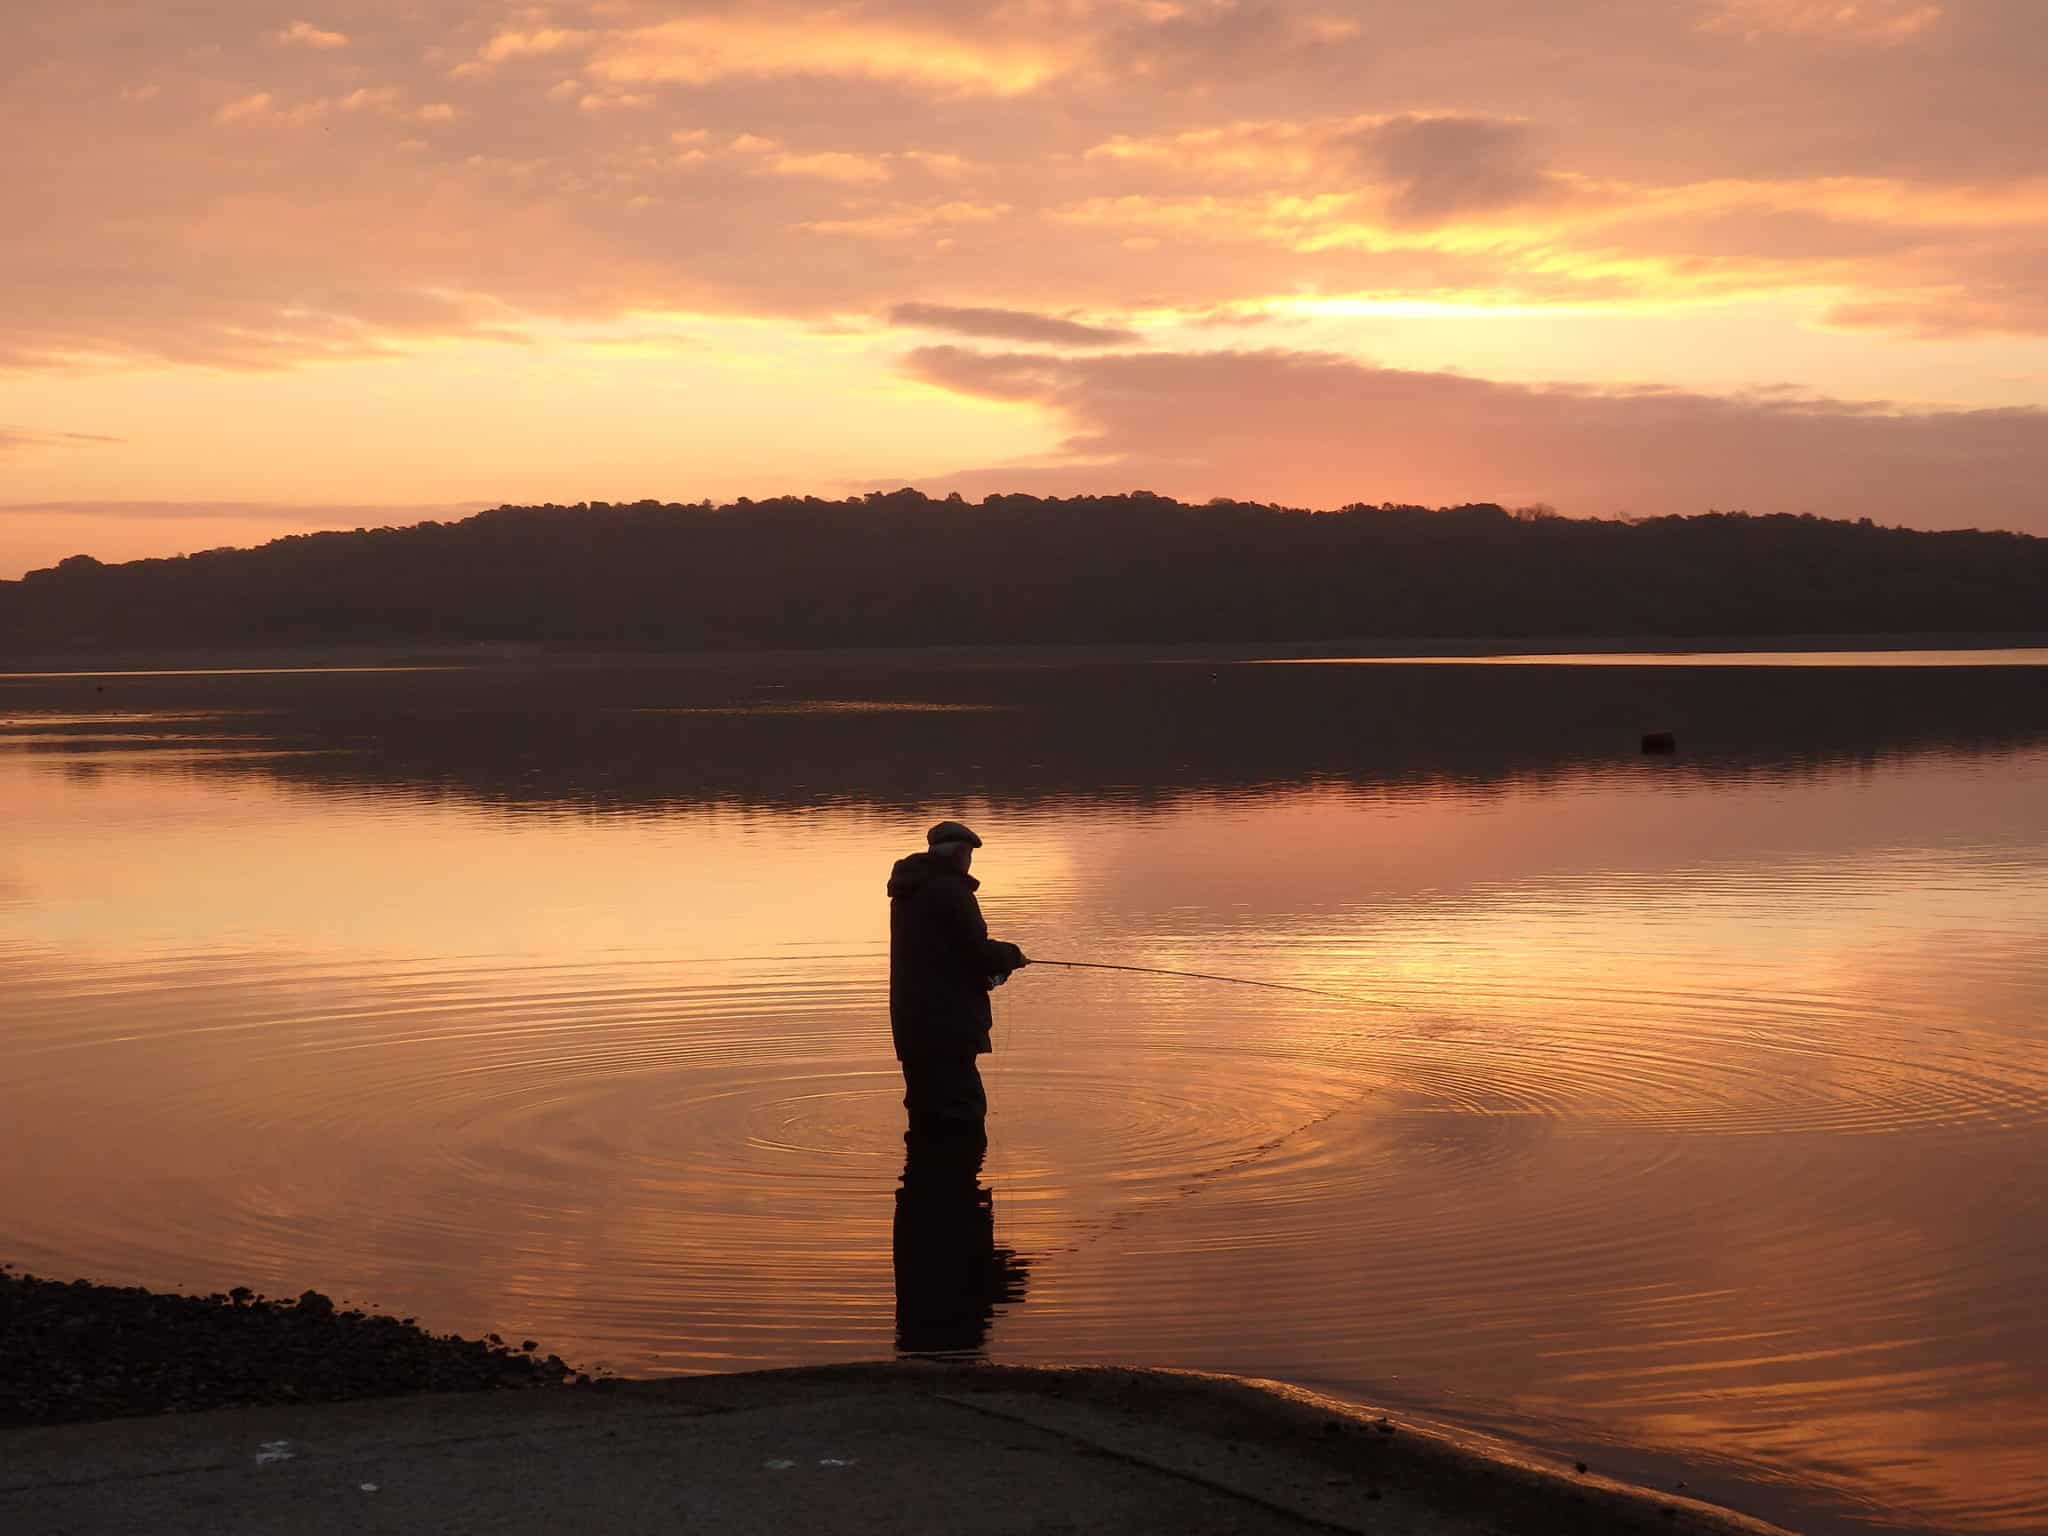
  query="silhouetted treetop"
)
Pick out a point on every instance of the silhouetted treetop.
point(900, 568)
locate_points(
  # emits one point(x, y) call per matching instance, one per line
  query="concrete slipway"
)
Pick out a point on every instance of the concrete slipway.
point(887, 1448)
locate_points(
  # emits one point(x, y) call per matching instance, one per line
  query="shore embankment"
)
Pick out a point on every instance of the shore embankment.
point(74, 1351)
point(911, 1447)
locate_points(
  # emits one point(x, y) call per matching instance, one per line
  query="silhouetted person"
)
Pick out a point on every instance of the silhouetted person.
point(942, 967)
point(950, 1275)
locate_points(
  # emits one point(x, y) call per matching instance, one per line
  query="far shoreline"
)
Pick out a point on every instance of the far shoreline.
point(400, 656)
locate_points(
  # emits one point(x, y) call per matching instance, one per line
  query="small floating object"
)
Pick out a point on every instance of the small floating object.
point(1659, 741)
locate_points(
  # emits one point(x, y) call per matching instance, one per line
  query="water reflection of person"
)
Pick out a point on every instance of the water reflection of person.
point(950, 1275)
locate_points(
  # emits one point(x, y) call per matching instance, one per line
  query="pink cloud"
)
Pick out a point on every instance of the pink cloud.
point(261, 205)
point(15, 440)
point(1440, 165)
point(1882, 23)
point(1009, 325)
point(1318, 430)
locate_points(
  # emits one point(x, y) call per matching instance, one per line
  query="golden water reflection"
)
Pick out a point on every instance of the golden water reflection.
point(1694, 1112)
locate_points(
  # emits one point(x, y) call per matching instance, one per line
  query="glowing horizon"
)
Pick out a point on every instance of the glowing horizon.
point(271, 269)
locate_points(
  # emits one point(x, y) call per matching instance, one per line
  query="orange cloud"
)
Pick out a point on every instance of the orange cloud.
point(304, 34)
point(756, 43)
point(13, 440)
point(1294, 150)
point(1413, 168)
point(538, 43)
point(243, 108)
point(905, 221)
point(833, 165)
point(701, 49)
point(1887, 201)
point(1884, 23)
point(383, 100)
point(607, 101)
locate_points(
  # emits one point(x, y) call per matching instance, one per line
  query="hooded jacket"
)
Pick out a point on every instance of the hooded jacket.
point(941, 960)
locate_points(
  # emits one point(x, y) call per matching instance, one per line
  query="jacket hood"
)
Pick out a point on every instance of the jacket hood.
point(920, 870)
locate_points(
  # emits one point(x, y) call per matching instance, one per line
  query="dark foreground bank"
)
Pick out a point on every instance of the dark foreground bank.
point(911, 1447)
point(76, 1351)
point(889, 1448)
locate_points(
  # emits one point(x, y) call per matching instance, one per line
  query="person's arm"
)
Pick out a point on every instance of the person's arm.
point(963, 919)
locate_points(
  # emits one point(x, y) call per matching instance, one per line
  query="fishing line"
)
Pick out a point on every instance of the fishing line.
point(1004, 1040)
point(1235, 981)
point(1096, 965)
point(1006, 1037)
point(998, 1052)
point(1194, 1184)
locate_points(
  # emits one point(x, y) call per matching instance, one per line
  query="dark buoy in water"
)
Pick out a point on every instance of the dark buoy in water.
point(1659, 741)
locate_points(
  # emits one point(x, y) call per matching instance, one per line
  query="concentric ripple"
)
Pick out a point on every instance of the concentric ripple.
point(1649, 1115)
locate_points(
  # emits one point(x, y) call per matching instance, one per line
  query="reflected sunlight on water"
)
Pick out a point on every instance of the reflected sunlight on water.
point(1987, 656)
point(1685, 1108)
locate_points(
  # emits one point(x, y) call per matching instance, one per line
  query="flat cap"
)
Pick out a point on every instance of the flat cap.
point(952, 832)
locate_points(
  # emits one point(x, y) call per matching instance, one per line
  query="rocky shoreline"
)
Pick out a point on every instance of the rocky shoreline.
point(74, 1351)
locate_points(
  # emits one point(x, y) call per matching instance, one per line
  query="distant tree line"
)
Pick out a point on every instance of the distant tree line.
point(904, 569)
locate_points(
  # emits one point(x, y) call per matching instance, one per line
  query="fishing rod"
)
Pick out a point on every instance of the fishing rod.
point(1153, 970)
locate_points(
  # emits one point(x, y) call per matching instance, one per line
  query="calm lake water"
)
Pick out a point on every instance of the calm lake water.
point(1688, 1113)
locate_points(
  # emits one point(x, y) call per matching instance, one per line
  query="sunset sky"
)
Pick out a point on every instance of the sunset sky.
point(270, 267)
